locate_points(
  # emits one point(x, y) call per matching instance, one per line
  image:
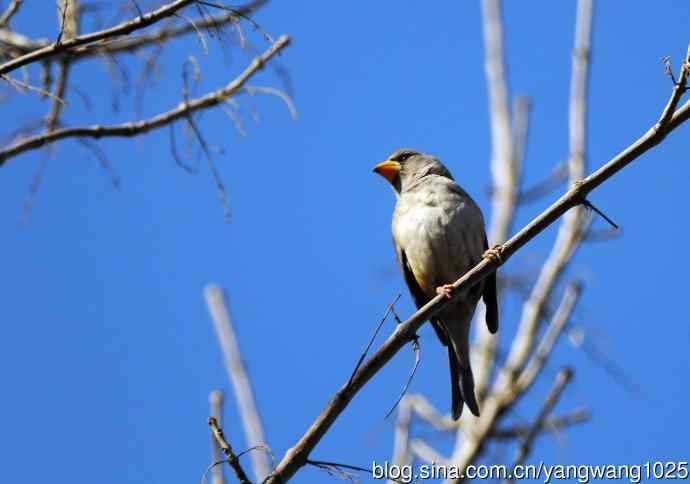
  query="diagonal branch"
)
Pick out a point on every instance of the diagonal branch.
point(562, 379)
point(225, 446)
point(296, 457)
point(554, 423)
point(215, 400)
point(9, 12)
point(543, 351)
point(123, 28)
point(244, 395)
point(135, 128)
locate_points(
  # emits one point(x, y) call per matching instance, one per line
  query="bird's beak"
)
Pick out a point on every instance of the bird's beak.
point(388, 169)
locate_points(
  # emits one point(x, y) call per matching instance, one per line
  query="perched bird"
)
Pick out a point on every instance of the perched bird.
point(438, 233)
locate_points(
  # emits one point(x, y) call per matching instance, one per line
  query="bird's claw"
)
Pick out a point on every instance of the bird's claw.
point(445, 290)
point(494, 253)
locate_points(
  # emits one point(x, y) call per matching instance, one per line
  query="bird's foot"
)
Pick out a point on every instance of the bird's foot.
point(445, 290)
point(494, 253)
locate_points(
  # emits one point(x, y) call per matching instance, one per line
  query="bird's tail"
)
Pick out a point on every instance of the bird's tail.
point(457, 401)
point(461, 385)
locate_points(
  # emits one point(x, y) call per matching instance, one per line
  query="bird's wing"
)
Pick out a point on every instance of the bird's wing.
point(490, 297)
point(420, 299)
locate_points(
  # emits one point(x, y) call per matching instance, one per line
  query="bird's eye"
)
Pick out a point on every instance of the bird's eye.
point(403, 156)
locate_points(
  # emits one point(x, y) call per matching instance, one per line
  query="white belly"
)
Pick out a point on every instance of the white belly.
point(441, 237)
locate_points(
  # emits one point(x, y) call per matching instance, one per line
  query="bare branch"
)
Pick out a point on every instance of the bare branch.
point(559, 321)
point(136, 128)
point(297, 456)
point(401, 442)
point(389, 309)
point(16, 44)
point(506, 168)
point(423, 409)
point(554, 423)
point(562, 379)
point(215, 400)
point(227, 450)
point(9, 12)
point(571, 229)
point(276, 92)
point(237, 373)
point(678, 89)
point(417, 359)
point(545, 186)
point(159, 36)
point(427, 453)
point(124, 28)
point(22, 86)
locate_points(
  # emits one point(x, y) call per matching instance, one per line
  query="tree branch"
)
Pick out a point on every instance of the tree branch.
point(562, 379)
point(120, 46)
point(123, 28)
point(227, 450)
point(554, 423)
point(135, 128)
point(215, 400)
point(560, 319)
point(573, 225)
point(9, 12)
point(507, 144)
point(296, 457)
point(251, 421)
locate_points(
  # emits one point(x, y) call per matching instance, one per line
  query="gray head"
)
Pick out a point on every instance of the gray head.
point(406, 166)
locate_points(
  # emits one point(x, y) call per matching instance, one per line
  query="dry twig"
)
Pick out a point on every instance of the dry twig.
point(227, 450)
point(125, 28)
point(144, 126)
point(237, 373)
point(564, 376)
point(9, 12)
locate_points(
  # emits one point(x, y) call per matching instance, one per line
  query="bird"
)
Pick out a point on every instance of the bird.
point(438, 235)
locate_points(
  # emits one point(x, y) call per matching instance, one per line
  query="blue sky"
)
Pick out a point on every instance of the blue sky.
point(108, 354)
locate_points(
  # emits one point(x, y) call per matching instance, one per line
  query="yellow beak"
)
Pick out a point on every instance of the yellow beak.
point(388, 169)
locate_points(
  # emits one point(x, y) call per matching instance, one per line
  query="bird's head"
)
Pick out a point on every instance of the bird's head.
point(405, 166)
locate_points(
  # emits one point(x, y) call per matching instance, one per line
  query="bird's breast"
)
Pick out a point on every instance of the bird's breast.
point(440, 236)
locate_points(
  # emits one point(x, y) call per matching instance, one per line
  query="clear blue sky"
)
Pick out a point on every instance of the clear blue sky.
point(107, 351)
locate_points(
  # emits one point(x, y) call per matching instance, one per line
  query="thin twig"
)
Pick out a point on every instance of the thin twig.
point(323, 463)
point(506, 168)
point(9, 12)
point(591, 206)
point(554, 423)
point(215, 400)
point(227, 450)
point(401, 441)
point(158, 36)
point(25, 86)
point(547, 343)
point(389, 308)
point(136, 128)
point(562, 379)
point(427, 453)
point(542, 188)
point(125, 28)
point(417, 358)
point(249, 413)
